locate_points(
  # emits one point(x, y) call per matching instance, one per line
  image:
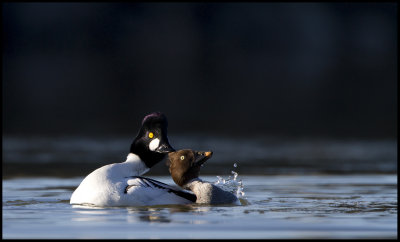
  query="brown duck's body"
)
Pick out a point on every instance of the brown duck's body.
point(209, 193)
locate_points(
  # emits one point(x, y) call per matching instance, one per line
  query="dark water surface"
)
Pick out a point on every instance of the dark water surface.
point(66, 156)
point(291, 189)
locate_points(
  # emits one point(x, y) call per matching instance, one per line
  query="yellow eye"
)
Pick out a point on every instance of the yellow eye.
point(182, 157)
point(151, 135)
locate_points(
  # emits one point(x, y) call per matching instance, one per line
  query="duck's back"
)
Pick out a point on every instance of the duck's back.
point(211, 194)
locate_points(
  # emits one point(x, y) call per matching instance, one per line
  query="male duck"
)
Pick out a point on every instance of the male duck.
point(120, 184)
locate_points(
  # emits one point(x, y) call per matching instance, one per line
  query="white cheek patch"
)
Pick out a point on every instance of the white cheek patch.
point(154, 144)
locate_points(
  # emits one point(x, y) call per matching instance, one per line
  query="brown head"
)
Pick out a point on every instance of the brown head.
point(184, 165)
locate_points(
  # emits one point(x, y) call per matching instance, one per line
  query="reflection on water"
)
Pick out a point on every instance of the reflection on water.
point(157, 214)
point(299, 206)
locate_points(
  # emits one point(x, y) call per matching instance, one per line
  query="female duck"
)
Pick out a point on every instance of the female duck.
point(184, 166)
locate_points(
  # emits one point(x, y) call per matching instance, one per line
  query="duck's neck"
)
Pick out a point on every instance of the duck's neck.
point(138, 166)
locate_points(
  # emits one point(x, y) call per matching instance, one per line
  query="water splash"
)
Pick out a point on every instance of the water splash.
point(231, 184)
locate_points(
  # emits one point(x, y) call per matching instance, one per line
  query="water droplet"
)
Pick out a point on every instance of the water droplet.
point(231, 184)
point(234, 175)
point(220, 180)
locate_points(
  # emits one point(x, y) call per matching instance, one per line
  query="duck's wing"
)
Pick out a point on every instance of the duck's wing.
point(155, 192)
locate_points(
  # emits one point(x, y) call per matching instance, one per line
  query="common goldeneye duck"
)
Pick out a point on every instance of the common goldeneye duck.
point(184, 166)
point(120, 184)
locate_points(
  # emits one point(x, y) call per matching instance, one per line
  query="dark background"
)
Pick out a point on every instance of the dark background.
point(294, 69)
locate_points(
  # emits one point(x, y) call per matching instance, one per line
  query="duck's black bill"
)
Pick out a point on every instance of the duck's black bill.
point(165, 148)
point(202, 156)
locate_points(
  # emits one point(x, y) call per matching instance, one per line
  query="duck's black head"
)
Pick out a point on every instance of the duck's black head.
point(151, 143)
point(184, 165)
